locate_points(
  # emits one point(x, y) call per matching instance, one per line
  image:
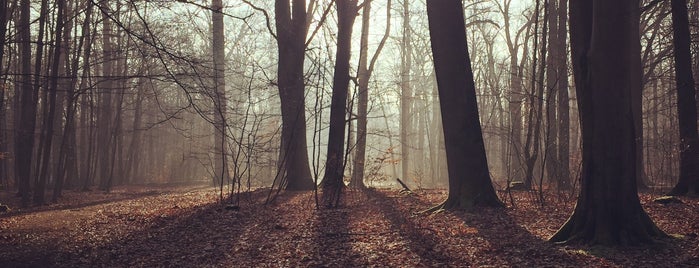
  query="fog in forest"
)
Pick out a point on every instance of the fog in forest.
point(157, 92)
point(349, 133)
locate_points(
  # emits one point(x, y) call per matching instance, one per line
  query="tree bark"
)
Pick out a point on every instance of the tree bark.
point(104, 120)
point(292, 28)
point(49, 119)
point(686, 102)
point(563, 107)
point(406, 93)
point(219, 93)
point(552, 80)
point(334, 166)
point(24, 139)
point(469, 178)
point(364, 72)
point(606, 50)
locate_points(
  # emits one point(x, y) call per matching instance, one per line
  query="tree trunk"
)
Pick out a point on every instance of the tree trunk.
point(469, 179)
point(552, 80)
point(563, 106)
point(686, 102)
point(4, 178)
point(49, 119)
point(606, 59)
point(531, 146)
point(219, 93)
point(104, 120)
point(334, 166)
point(406, 94)
point(291, 27)
point(24, 139)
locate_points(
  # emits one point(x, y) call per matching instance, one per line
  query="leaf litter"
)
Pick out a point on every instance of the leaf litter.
point(188, 227)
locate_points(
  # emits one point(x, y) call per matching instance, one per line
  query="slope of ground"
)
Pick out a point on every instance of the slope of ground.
point(187, 226)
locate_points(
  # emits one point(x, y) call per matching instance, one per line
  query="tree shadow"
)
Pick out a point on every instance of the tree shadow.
point(332, 239)
point(201, 235)
point(421, 241)
point(512, 244)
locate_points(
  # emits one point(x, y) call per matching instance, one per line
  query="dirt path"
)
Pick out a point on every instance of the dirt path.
point(185, 227)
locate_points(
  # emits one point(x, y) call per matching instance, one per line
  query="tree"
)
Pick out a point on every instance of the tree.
point(605, 47)
point(686, 102)
point(469, 178)
point(24, 139)
point(291, 39)
point(563, 107)
point(334, 166)
point(49, 116)
point(405, 92)
point(219, 93)
point(364, 72)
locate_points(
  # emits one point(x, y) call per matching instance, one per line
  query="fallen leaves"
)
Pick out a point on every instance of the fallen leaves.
point(186, 227)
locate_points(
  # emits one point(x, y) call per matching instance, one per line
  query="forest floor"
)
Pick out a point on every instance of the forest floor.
point(188, 227)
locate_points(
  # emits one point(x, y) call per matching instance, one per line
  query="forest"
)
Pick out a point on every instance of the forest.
point(349, 133)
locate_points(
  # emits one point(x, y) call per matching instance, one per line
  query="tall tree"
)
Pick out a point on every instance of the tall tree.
point(406, 94)
point(49, 117)
point(334, 166)
point(24, 139)
point(563, 107)
point(3, 119)
point(364, 72)
point(605, 45)
point(552, 80)
point(219, 92)
point(104, 123)
point(292, 28)
point(469, 180)
point(686, 102)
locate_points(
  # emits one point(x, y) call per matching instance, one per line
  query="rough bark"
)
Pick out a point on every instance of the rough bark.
point(686, 102)
point(24, 139)
point(291, 28)
point(607, 67)
point(469, 179)
point(334, 166)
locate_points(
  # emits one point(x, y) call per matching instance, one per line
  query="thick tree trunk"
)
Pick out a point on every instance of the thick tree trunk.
point(469, 179)
point(291, 27)
point(607, 67)
point(334, 165)
point(24, 139)
point(686, 102)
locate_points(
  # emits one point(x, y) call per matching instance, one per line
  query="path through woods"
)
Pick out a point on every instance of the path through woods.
point(185, 227)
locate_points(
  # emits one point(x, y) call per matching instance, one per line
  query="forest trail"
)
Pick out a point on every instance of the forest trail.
point(186, 226)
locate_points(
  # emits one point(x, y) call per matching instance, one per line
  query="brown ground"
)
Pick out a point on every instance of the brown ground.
point(185, 227)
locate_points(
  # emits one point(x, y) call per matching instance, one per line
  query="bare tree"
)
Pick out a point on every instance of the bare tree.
point(469, 178)
point(607, 67)
point(686, 102)
point(364, 72)
point(292, 27)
